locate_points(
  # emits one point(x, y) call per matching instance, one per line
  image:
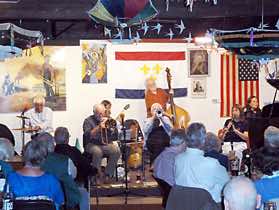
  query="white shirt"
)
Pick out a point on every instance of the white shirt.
point(42, 119)
point(192, 169)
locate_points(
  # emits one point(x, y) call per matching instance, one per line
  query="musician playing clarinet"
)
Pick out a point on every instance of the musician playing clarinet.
point(235, 133)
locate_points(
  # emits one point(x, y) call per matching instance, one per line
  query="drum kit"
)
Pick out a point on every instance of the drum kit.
point(23, 129)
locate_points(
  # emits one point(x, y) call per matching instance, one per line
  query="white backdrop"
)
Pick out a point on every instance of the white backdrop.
point(81, 97)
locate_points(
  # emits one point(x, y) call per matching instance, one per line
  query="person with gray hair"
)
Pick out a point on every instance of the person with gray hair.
point(62, 167)
point(271, 137)
point(98, 140)
point(212, 148)
point(31, 180)
point(240, 194)
point(6, 153)
point(40, 116)
point(193, 169)
point(164, 164)
point(83, 165)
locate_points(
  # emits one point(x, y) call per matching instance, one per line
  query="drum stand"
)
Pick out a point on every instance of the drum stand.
point(23, 118)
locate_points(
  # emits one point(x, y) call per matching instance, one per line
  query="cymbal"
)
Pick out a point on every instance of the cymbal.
point(22, 117)
point(27, 130)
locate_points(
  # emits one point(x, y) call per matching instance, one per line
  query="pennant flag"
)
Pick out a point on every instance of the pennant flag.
point(77, 144)
point(138, 66)
point(239, 81)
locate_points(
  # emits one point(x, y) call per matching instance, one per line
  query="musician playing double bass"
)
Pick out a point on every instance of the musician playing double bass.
point(155, 95)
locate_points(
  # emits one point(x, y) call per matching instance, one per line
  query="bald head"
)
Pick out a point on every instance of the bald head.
point(99, 111)
point(240, 194)
point(271, 137)
point(150, 84)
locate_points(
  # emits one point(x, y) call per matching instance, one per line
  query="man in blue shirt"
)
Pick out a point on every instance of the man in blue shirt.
point(192, 169)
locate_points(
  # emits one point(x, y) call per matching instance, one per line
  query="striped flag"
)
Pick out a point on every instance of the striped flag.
point(239, 81)
point(139, 65)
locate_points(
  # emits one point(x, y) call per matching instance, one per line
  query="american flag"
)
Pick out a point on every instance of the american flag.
point(239, 81)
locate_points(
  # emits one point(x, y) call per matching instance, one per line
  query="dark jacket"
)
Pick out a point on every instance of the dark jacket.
point(57, 165)
point(83, 165)
point(223, 159)
point(92, 122)
point(189, 198)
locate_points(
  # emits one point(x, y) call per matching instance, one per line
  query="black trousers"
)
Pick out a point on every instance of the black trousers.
point(165, 189)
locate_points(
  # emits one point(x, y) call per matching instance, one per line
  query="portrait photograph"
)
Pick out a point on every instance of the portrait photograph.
point(198, 88)
point(198, 63)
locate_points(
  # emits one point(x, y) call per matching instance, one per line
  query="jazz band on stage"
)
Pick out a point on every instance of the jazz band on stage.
point(101, 132)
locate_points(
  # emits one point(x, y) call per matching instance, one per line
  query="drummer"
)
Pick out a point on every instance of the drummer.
point(40, 116)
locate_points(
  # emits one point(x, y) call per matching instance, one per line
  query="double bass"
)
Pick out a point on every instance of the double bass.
point(179, 116)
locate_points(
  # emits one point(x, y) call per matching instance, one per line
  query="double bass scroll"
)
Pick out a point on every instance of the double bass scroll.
point(180, 117)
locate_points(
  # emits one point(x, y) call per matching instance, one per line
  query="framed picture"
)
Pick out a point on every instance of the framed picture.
point(198, 63)
point(94, 62)
point(198, 88)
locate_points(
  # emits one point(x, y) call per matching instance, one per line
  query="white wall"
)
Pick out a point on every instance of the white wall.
point(81, 97)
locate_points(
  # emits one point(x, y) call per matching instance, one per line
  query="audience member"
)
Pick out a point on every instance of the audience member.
point(240, 194)
point(32, 181)
point(6, 133)
point(83, 165)
point(266, 163)
point(192, 169)
point(84, 168)
point(6, 153)
point(164, 163)
point(212, 148)
point(271, 137)
point(62, 167)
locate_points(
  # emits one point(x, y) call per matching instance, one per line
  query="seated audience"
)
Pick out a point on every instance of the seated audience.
point(6, 133)
point(240, 194)
point(83, 165)
point(32, 181)
point(6, 153)
point(212, 148)
point(164, 163)
point(62, 167)
point(84, 168)
point(271, 137)
point(266, 163)
point(192, 169)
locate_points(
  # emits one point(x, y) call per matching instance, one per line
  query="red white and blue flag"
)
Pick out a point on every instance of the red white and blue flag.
point(137, 66)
